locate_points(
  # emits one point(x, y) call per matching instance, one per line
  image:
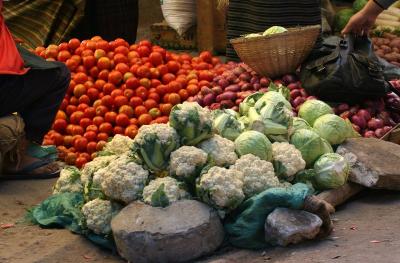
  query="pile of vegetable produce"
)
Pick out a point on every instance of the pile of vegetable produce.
point(387, 46)
point(219, 157)
point(117, 87)
point(373, 118)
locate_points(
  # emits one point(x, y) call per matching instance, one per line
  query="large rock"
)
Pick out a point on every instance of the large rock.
point(375, 163)
point(180, 232)
point(287, 226)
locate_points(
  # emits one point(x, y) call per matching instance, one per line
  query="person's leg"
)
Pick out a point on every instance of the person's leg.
point(36, 96)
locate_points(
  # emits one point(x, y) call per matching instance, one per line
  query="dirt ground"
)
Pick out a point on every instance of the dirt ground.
point(366, 230)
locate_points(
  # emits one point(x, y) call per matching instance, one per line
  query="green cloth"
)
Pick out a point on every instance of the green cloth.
point(245, 227)
point(64, 211)
point(43, 22)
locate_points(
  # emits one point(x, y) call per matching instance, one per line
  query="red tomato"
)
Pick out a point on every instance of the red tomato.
point(165, 108)
point(143, 51)
point(142, 92)
point(143, 72)
point(110, 117)
point(101, 110)
point(132, 83)
point(127, 110)
point(98, 120)
point(60, 125)
point(79, 90)
point(115, 77)
point(135, 101)
point(89, 61)
point(92, 128)
point(106, 127)
point(74, 43)
point(91, 147)
point(173, 66)
point(102, 136)
point(80, 162)
point(77, 130)
point(122, 67)
point(80, 144)
point(122, 120)
point(70, 158)
point(167, 78)
point(63, 55)
point(68, 140)
point(145, 119)
point(119, 130)
point(131, 131)
point(103, 74)
point(100, 144)
point(120, 101)
point(156, 58)
point(107, 101)
point(116, 92)
point(108, 88)
point(84, 99)
point(91, 136)
point(139, 110)
point(85, 122)
point(76, 117)
point(150, 103)
point(61, 115)
point(104, 63)
point(89, 113)
point(93, 94)
point(129, 93)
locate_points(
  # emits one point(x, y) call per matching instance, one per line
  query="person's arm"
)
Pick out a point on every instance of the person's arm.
point(361, 22)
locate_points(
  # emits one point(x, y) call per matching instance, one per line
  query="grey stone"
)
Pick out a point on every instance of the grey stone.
point(374, 163)
point(181, 232)
point(287, 226)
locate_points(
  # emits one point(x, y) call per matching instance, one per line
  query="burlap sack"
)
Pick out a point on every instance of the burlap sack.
point(11, 139)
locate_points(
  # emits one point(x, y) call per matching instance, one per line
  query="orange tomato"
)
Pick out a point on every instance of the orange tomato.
point(145, 119)
point(174, 98)
point(184, 94)
point(139, 110)
point(165, 108)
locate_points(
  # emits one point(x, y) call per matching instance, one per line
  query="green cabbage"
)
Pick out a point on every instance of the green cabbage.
point(310, 144)
point(342, 18)
point(299, 123)
point(332, 128)
point(254, 142)
point(274, 30)
point(331, 171)
point(271, 97)
point(249, 102)
point(359, 4)
point(226, 125)
point(313, 109)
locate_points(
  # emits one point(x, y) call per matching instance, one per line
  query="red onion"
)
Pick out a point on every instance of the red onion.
point(254, 80)
point(387, 129)
point(257, 86)
point(375, 123)
point(359, 121)
point(264, 82)
point(227, 95)
point(235, 108)
point(233, 87)
point(298, 101)
point(245, 77)
point(353, 110)
point(216, 90)
point(263, 90)
point(385, 116)
point(295, 93)
point(293, 86)
point(287, 79)
point(223, 83)
point(379, 133)
point(343, 107)
point(215, 106)
point(364, 114)
point(205, 90)
point(209, 99)
point(191, 99)
point(369, 134)
point(238, 101)
point(303, 93)
point(246, 86)
point(226, 104)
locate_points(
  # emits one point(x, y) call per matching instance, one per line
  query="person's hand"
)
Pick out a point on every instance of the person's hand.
point(360, 23)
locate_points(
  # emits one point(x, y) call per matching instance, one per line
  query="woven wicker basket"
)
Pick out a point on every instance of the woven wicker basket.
point(278, 54)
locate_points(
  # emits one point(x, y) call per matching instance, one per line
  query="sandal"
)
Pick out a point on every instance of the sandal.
point(28, 172)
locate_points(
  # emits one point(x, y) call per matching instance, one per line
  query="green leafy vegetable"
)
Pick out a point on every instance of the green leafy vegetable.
point(332, 171)
point(159, 198)
point(332, 128)
point(313, 109)
point(254, 142)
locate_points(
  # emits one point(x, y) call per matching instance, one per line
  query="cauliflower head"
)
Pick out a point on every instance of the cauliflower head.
point(221, 188)
point(98, 214)
point(122, 180)
point(119, 144)
point(220, 149)
point(258, 175)
point(186, 163)
point(69, 181)
point(163, 191)
point(287, 160)
point(153, 145)
point(192, 122)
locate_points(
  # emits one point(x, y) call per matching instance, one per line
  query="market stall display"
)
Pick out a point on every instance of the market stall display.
point(117, 87)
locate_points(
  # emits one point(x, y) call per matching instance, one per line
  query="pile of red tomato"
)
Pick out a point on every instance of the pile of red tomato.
point(116, 87)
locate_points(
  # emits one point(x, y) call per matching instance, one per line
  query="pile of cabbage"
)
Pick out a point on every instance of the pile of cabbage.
point(221, 158)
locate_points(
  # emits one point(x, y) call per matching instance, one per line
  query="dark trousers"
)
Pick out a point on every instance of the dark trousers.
point(36, 96)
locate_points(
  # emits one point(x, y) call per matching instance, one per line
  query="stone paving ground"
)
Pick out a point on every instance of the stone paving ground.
point(367, 229)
